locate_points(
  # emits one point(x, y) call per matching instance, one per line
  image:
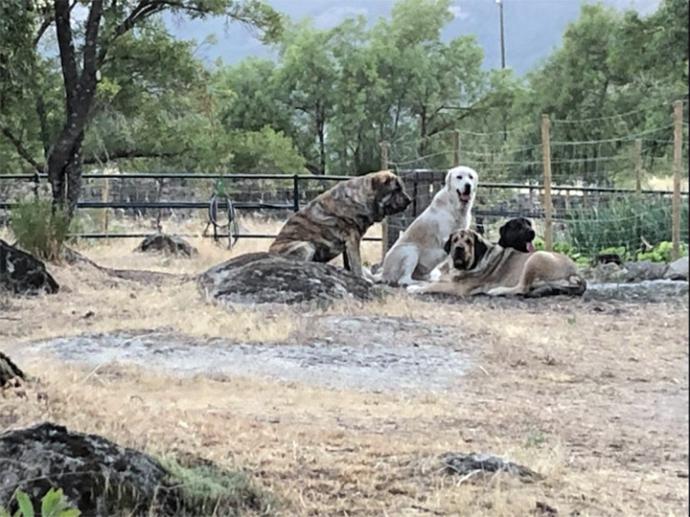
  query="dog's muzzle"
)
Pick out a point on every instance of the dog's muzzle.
point(459, 258)
point(465, 194)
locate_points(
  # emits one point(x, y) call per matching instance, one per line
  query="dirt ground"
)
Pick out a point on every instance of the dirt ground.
point(345, 411)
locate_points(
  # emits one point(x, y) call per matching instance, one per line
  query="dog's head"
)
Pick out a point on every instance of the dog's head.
point(518, 234)
point(461, 183)
point(389, 194)
point(466, 249)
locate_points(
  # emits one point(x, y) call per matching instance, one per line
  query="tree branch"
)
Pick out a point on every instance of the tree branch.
point(21, 150)
point(46, 23)
point(67, 54)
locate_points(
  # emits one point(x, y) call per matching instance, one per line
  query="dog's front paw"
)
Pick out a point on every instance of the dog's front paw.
point(415, 288)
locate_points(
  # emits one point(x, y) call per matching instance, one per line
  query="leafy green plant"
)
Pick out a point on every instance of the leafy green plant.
point(40, 229)
point(661, 252)
point(622, 224)
point(53, 504)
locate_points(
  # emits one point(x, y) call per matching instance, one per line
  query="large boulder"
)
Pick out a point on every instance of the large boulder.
point(22, 273)
point(678, 269)
point(644, 270)
point(101, 478)
point(167, 244)
point(263, 278)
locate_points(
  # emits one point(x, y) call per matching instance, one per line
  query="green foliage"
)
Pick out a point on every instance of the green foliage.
point(662, 252)
point(332, 95)
point(565, 248)
point(623, 222)
point(207, 489)
point(40, 229)
point(265, 151)
point(53, 504)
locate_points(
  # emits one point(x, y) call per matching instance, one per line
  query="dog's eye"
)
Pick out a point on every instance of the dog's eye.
point(471, 177)
point(460, 177)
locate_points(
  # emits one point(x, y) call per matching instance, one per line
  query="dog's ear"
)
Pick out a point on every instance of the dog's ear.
point(480, 249)
point(446, 246)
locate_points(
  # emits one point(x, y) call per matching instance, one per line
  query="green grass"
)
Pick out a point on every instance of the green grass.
point(205, 489)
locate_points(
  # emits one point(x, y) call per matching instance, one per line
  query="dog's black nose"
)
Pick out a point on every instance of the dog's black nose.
point(531, 235)
point(467, 190)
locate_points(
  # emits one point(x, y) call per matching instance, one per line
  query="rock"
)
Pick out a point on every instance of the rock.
point(606, 258)
point(644, 270)
point(9, 372)
point(101, 478)
point(609, 272)
point(678, 269)
point(22, 273)
point(265, 278)
point(473, 463)
point(168, 244)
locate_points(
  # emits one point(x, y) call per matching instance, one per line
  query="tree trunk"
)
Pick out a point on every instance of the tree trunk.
point(65, 159)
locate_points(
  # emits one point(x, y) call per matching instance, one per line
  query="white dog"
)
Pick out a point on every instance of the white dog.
point(420, 248)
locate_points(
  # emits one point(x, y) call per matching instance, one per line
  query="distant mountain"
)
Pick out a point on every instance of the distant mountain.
point(533, 28)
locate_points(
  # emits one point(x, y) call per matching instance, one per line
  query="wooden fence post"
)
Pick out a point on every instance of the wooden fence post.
point(105, 196)
point(677, 164)
point(637, 155)
point(456, 148)
point(384, 225)
point(548, 206)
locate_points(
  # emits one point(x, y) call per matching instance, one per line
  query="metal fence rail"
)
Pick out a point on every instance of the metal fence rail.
point(293, 204)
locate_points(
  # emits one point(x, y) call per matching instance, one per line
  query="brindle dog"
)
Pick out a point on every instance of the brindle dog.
point(336, 221)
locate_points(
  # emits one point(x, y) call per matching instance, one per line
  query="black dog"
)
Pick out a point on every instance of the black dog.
point(518, 234)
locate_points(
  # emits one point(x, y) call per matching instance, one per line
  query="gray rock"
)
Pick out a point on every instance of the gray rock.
point(9, 372)
point(101, 478)
point(168, 244)
point(473, 463)
point(263, 278)
point(22, 273)
point(96, 475)
point(678, 269)
point(644, 270)
point(609, 272)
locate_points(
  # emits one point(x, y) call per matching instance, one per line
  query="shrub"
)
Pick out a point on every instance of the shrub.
point(40, 229)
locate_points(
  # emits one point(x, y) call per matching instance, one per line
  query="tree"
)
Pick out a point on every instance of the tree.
point(308, 73)
point(86, 49)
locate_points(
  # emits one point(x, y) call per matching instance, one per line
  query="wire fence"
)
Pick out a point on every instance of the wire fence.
point(592, 218)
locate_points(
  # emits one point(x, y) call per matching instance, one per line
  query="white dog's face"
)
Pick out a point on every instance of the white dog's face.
point(461, 183)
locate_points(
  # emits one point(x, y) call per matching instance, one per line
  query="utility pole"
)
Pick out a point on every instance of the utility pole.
point(503, 44)
point(503, 61)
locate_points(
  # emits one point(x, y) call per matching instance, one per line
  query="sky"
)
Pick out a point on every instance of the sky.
point(533, 28)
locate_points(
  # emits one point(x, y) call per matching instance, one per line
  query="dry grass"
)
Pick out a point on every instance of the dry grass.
point(591, 395)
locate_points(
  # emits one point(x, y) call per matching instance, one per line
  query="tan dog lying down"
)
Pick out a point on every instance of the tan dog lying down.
point(477, 266)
